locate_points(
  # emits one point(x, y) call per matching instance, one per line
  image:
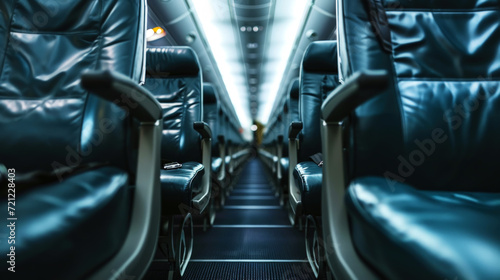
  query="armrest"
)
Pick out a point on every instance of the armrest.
point(203, 129)
point(117, 88)
point(201, 200)
point(294, 129)
point(359, 88)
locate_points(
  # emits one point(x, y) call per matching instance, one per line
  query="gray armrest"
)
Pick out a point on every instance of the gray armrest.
point(201, 200)
point(124, 92)
point(294, 129)
point(341, 254)
point(355, 91)
point(203, 129)
point(142, 237)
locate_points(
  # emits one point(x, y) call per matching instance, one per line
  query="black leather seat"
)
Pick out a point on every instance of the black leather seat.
point(87, 196)
point(318, 77)
point(174, 77)
point(447, 233)
point(420, 109)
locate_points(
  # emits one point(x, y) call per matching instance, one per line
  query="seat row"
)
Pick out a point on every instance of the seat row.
point(401, 108)
point(101, 172)
point(202, 151)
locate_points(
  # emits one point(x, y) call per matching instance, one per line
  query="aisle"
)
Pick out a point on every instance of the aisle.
point(251, 238)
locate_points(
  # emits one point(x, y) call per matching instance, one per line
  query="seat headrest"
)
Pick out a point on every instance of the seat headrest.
point(294, 89)
point(209, 94)
point(321, 57)
point(166, 62)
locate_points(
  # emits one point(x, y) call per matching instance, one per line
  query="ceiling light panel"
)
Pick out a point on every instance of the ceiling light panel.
point(215, 20)
point(287, 22)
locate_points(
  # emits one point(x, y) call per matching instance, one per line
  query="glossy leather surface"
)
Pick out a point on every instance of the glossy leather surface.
point(177, 186)
point(180, 96)
point(211, 114)
point(51, 122)
point(284, 164)
point(41, 60)
point(439, 69)
point(317, 80)
point(412, 234)
point(171, 62)
point(216, 164)
point(433, 129)
point(77, 224)
point(309, 177)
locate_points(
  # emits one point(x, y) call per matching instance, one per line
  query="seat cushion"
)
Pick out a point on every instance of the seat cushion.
point(77, 224)
point(308, 177)
point(177, 186)
point(407, 233)
point(216, 164)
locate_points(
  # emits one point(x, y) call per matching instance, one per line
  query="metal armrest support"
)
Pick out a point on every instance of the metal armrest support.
point(140, 243)
point(222, 153)
point(201, 200)
point(279, 154)
point(340, 252)
point(294, 129)
point(124, 92)
point(360, 87)
point(295, 196)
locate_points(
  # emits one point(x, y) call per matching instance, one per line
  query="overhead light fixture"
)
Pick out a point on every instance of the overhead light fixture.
point(215, 20)
point(284, 32)
point(154, 34)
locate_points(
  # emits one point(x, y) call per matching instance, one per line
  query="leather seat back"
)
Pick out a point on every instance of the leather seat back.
point(174, 77)
point(435, 127)
point(46, 119)
point(318, 77)
point(211, 109)
point(292, 104)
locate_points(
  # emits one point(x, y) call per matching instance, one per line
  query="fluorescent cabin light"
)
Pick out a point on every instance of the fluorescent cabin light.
point(215, 20)
point(288, 18)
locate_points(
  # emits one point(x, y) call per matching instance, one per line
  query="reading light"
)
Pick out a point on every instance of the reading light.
point(155, 34)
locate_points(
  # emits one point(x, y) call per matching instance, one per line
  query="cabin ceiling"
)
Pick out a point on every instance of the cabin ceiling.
point(250, 49)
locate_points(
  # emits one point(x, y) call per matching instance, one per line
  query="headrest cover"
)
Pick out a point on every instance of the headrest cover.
point(209, 94)
point(294, 89)
point(171, 61)
point(321, 57)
